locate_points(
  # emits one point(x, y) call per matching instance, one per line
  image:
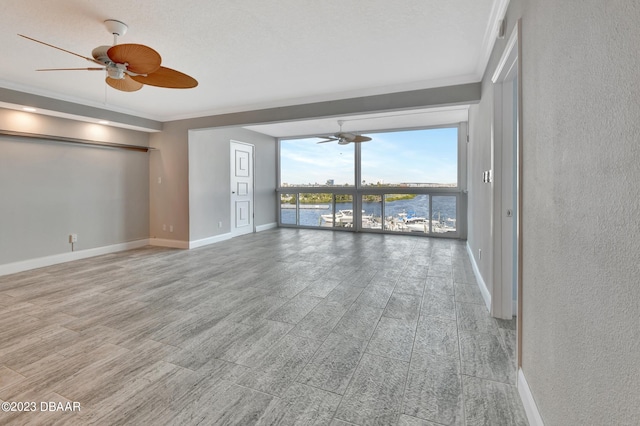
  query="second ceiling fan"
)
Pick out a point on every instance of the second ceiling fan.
point(345, 138)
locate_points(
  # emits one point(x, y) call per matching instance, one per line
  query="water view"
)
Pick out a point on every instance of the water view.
point(410, 214)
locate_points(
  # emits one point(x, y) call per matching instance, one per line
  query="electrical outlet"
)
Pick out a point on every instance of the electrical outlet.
point(170, 228)
point(164, 227)
point(479, 254)
point(73, 238)
point(219, 224)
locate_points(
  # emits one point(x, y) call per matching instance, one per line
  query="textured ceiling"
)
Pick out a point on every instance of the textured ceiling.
point(250, 54)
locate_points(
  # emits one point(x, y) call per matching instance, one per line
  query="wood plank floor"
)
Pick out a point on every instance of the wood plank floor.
point(285, 327)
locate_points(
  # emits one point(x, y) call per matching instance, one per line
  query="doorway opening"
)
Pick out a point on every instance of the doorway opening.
point(506, 300)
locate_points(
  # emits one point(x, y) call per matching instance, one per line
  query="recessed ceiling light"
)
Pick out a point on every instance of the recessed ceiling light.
point(103, 122)
point(29, 109)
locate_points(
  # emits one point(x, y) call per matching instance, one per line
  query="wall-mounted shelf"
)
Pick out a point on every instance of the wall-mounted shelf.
point(76, 141)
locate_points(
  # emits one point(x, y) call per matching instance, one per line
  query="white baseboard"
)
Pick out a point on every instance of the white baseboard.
point(219, 238)
point(210, 240)
point(26, 265)
point(266, 227)
point(161, 242)
point(486, 295)
point(530, 407)
point(203, 241)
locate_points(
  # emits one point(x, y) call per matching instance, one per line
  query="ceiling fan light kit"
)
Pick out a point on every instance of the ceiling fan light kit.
point(100, 54)
point(128, 66)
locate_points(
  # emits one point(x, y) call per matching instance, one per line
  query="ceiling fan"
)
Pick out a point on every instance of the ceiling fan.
point(345, 138)
point(128, 66)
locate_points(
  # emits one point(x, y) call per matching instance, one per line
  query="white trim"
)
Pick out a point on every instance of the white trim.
point(266, 227)
point(224, 237)
point(209, 240)
point(161, 242)
point(502, 287)
point(530, 407)
point(40, 262)
point(508, 58)
point(481, 284)
point(498, 12)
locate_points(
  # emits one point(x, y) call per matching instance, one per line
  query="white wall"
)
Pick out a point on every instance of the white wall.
point(49, 189)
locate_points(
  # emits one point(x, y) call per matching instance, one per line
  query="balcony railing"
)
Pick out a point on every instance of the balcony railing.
point(416, 211)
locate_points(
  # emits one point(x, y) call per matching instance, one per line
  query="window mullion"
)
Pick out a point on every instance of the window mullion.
point(357, 196)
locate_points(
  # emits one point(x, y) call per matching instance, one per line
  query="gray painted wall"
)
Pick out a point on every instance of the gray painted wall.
point(479, 235)
point(169, 197)
point(92, 113)
point(49, 190)
point(183, 200)
point(479, 160)
point(581, 87)
point(581, 310)
point(581, 337)
point(209, 179)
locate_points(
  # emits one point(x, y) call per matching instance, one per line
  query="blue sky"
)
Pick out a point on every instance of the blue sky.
point(427, 156)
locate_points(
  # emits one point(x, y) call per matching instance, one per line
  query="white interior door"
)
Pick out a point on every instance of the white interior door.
point(241, 188)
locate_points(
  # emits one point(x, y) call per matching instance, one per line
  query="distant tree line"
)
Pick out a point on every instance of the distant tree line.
point(324, 198)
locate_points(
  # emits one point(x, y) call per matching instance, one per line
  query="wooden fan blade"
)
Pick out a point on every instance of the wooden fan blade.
point(59, 48)
point(166, 77)
point(360, 138)
point(72, 69)
point(126, 84)
point(141, 59)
